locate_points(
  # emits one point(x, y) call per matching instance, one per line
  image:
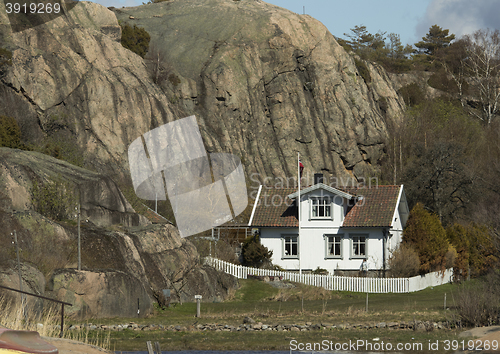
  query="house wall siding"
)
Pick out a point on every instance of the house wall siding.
point(313, 246)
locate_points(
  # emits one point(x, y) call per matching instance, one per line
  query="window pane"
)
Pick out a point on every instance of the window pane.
point(290, 246)
point(337, 249)
point(327, 210)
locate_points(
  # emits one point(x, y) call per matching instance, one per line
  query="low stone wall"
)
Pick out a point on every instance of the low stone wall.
point(259, 326)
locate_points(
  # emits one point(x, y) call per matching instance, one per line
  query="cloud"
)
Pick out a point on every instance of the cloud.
point(460, 16)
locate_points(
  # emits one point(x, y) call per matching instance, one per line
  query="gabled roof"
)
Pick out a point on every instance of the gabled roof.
point(374, 207)
point(321, 186)
point(275, 209)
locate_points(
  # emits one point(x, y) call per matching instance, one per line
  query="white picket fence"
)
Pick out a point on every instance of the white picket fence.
point(333, 282)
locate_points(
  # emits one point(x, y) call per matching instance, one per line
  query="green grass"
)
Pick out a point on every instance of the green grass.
point(259, 301)
point(270, 340)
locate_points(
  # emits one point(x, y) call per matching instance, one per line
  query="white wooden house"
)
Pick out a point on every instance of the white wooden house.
point(338, 228)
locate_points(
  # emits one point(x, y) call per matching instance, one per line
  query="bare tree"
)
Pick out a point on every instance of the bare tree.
point(156, 61)
point(483, 64)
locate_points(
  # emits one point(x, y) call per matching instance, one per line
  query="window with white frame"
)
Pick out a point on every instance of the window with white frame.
point(358, 246)
point(333, 246)
point(321, 207)
point(290, 246)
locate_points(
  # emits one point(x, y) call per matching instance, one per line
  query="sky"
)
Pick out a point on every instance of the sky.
point(408, 18)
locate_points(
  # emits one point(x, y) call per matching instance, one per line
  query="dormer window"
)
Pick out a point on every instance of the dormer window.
point(321, 207)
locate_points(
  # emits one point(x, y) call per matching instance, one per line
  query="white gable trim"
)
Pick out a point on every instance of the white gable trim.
point(401, 199)
point(255, 205)
point(321, 186)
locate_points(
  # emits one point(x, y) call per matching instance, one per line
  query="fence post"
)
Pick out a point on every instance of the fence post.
point(62, 320)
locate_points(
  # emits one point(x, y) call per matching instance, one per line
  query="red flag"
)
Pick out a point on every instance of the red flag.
point(301, 167)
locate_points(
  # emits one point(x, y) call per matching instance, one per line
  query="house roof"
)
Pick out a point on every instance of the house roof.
point(374, 207)
point(321, 186)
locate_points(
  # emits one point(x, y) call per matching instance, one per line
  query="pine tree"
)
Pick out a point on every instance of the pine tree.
point(436, 39)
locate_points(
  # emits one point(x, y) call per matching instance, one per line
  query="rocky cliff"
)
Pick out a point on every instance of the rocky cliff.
point(264, 83)
point(124, 256)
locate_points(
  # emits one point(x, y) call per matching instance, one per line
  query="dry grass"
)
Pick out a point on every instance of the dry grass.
point(46, 322)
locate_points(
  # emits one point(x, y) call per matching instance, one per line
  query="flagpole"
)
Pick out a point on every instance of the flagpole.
point(298, 205)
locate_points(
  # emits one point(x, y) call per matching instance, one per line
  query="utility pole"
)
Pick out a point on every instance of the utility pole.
point(79, 242)
point(19, 272)
point(18, 264)
point(299, 241)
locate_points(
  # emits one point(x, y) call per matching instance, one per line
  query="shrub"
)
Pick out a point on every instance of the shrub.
point(478, 304)
point(412, 94)
point(427, 236)
point(135, 39)
point(320, 271)
point(404, 262)
point(63, 146)
point(476, 251)
point(254, 254)
point(53, 200)
point(441, 81)
point(5, 59)
point(363, 70)
point(10, 133)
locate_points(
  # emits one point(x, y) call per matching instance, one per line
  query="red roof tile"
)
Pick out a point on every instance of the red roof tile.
point(375, 209)
point(275, 209)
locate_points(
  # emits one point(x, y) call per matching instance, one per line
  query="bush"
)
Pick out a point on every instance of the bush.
point(53, 200)
point(404, 262)
point(254, 254)
point(478, 304)
point(363, 70)
point(441, 81)
point(135, 39)
point(5, 60)
point(476, 251)
point(10, 133)
point(412, 94)
point(427, 236)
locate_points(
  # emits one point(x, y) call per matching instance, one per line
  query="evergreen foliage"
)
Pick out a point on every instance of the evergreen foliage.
point(436, 39)
point(10, 133)
point(412, 94)
point(426, 235)
point(53, 200)
point(135, 39)
point(475, 248)
point(5, 59)
point(254, 253)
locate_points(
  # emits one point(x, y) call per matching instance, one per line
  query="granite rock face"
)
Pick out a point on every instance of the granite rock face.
point(265, 83)
point(101, 200)
point(124, 257)
point(72, 81)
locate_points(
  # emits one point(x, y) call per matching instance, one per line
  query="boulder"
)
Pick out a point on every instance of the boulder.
point(100, 294)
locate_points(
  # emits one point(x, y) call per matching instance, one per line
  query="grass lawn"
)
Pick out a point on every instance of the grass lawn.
point(269, 305)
